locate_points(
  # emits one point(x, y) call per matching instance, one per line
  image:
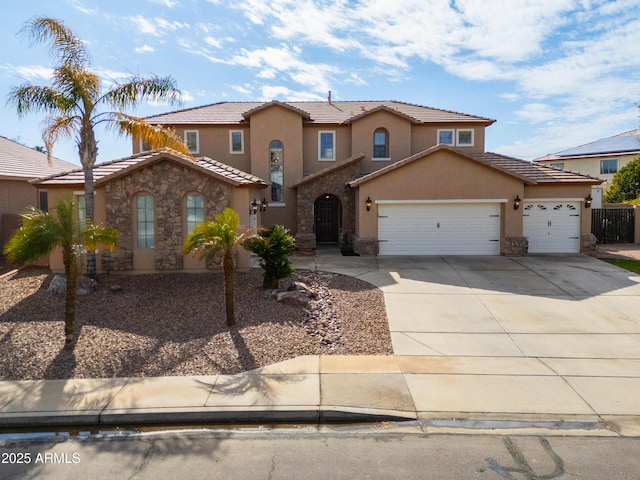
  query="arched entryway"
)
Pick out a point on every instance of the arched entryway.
point(327, 219)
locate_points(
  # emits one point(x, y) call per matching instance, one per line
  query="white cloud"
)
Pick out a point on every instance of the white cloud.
point(275, 92)
point(156, 26)
point(166, 3)
point(31, 72)
point(145, 49)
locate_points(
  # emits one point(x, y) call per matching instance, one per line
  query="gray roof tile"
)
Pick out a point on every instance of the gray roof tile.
point(20, 162)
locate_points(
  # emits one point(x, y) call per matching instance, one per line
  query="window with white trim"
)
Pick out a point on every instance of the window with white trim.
point(195, 211)
point(145, 221)
point(81, 206)
point(559, 165)
point(326, 145)
point(445, 137)
point(276, 171)
point(192, 140)
point(609, 166)
point(381, 144)
point(236, 141)
point(464, 138)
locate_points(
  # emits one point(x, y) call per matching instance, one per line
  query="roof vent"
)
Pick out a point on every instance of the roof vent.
point(329, 97)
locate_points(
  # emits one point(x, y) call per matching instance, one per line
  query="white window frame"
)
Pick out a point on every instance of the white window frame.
point(333, 146)
point(231, 150)
point(449, 130)
point(558, 165)
point(464, 130)
point(145, 221)
point(197, 133)
point(610, 160)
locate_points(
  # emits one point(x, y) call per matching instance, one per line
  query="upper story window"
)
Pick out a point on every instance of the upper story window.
point(381, 144)
point(195, 211)
point(559, 165)
point(81, 206)
point(145, 222)
point(192, 139)
point(445, 137)
point(462, 137)
point(236, 141)
point(608, 166)
point(326, 145)
point(276, 169)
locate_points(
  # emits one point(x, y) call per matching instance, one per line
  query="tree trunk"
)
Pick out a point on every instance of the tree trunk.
point(88, 149)
point(71, 272)
point(228, 269)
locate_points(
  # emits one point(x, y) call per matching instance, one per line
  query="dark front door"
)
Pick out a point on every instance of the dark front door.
point(327, 211)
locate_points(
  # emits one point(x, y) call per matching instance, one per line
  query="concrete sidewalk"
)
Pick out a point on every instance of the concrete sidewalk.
point(483, 344)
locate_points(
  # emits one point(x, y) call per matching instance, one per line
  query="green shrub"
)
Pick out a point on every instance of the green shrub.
point(273, 245)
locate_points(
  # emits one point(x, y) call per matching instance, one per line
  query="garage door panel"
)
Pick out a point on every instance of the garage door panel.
point(439, 229)
point(552, 227)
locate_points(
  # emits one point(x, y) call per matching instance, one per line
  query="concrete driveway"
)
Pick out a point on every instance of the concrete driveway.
point(532, 335)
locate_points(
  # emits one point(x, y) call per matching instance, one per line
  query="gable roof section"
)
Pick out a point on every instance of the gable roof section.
point(105, 172)
point(325, 171)
point(274, 103)
point(335, 113)
point(530, 173)
point(20, 162)
point(627, 143)
point(383, 108)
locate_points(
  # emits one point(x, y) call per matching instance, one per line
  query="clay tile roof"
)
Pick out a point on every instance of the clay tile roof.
point(20, 162)
point(325, 171)
point(336, 112)
point(528, 172)
point(105, 172)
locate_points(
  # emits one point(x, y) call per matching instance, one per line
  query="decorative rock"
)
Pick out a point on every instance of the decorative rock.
point(58, 285)
point(115, 289)
point(84, 286)
point(294, 297)
point(285, 284)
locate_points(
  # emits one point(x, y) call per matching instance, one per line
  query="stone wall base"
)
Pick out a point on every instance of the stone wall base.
point(589, 245)
point(305, 243)
point(366, 247)
point(515, 246)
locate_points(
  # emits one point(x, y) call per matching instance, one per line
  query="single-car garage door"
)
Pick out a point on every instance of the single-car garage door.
point(439, 228)
point(552, 227)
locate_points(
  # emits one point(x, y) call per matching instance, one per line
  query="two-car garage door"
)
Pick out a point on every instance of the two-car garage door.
point(439, 228)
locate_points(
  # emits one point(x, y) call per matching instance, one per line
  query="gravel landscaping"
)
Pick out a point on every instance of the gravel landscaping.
point(174, 324)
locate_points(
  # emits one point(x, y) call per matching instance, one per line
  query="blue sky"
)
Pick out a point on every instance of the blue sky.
point(553, 73)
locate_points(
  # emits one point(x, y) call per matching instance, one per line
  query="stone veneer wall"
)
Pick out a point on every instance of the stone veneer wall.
point(333, 183)
point(168, 183)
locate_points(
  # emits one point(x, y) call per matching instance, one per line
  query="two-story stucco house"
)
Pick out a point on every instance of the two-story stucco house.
point(389, 178)
point(601, 158)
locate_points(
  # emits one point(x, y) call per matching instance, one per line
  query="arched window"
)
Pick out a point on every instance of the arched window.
point(276, 169)
point(195, 211)
point(381, 143)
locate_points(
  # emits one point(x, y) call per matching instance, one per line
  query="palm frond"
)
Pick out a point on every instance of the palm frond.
point(29, 98)
point(95, 236)
point(139, 89)
point(155, 136)
point(55, 128)
point(39, 234)
point(79, 84)
point(65, 46)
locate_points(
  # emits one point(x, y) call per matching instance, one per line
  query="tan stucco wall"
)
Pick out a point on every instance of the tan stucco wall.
point(278, 123)
point(362, 131)
point(440, 176)
point(426, 136)
point(15, 197)
point(343, 146)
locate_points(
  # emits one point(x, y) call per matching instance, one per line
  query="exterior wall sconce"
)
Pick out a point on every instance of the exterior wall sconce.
point(368, 202)
point(255, 206)
point(516, 202)
point(587, 201)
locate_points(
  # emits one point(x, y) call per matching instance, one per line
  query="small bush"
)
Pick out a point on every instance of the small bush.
point(273, 245)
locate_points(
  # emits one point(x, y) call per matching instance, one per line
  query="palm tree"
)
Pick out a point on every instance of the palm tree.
point(41, 232)
point(220, 235)
point(74, 102)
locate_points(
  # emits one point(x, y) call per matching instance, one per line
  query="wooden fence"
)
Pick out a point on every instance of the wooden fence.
point(613, 225)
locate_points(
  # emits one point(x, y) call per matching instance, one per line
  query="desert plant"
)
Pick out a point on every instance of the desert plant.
point(273, 245)
point(41, 232)
point(73, 103)
point(220, 235)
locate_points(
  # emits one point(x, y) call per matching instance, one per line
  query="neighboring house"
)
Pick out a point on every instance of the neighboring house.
point(19, 165)
point(388, 178)
point(602, 158)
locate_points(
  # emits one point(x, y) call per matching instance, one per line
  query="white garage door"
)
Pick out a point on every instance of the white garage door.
point(552, 227)
point(439, 229)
